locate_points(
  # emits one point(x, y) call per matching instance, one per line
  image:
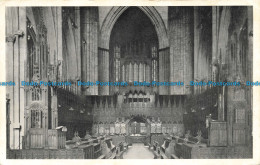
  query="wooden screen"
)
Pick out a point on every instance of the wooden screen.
point(218, 134)
point(239, 130)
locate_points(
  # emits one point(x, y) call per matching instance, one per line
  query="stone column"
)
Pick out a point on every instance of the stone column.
point(181, 47)
point(16, 52)
point(164, 70)
point(103, 70)
point(89, 36)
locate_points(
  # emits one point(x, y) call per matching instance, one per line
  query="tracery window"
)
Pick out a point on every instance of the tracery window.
point(36, 94)
point(36, 118)
point(33, 56)
point(154, 63)
point(117, 62)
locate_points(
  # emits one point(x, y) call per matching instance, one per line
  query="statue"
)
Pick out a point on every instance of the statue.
point(198, 137)
point(87, 136)
point(186, 137)
point(76, 137)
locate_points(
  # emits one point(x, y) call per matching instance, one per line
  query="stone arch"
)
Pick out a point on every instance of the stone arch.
point(115, 13)
point(134, 117)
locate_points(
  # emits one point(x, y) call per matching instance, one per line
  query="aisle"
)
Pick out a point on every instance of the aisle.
point(138, 151)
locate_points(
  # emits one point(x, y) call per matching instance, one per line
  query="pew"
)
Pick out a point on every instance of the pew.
point(97, 150)
point(91, 147)
point(46, 154)
point(120, 151)
point(107, 148)
point(158, 137)
point(167, 149)
point(156, 150)
point(186, 147)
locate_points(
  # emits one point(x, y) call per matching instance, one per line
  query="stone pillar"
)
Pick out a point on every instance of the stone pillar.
point(78, 42)
point(59, 45)
point(181, 47)
point(103, 70)
point(215, 27)
point(164, 70)
point(250, 73)
point(89, 37)
point(196, 47)
point(16, 51)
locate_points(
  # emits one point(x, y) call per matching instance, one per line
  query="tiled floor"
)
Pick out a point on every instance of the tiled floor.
point(138, 151)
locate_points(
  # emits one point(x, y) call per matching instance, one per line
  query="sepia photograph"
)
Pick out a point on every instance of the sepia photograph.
point(129, 82)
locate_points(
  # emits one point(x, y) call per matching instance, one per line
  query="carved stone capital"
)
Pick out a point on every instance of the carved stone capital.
point(10, 38)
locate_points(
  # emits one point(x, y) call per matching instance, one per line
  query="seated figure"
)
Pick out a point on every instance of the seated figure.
point(76, 137)
point(186, 138)
point(87, 136)
point(199, 137)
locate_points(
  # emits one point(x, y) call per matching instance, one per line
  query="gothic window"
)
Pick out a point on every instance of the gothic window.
point(36, 119)
point(243, 40)
point(117, 62)
point(154, 63)
point(36, 115)
point(36, 94)
point(142, 128)
point(32, 57)
point(123, 73)
point(131, 73)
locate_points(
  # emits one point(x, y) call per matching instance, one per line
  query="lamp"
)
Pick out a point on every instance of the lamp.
point(82, 111)
point(71, 109)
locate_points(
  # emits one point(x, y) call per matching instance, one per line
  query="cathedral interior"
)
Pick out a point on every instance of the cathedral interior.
point(129, 44)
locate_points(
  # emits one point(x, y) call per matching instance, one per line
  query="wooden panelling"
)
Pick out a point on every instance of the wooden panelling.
point(218, 134)
point(37, 138)
point(46, 154)
point(56, 139)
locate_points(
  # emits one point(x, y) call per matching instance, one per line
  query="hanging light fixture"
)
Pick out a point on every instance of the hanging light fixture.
point(71, 109)
point(82, 111)
point(193, 110)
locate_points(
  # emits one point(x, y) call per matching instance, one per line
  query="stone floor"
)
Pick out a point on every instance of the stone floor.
point(138, 151)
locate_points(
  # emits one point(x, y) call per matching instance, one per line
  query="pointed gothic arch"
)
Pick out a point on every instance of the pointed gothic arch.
point(115, 13)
